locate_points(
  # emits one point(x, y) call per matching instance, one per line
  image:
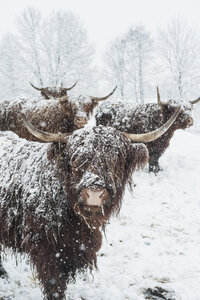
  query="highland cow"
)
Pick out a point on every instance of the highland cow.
point(53, 92)
point(61, 115)
point(55, 198)
point(144, 118)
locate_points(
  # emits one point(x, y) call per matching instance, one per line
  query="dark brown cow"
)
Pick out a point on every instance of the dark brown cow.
point(53, 92)
point(144, 118)
point(55, 198)
point(61, 115)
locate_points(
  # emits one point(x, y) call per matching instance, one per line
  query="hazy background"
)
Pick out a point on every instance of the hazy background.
point(113, 57)
point(106, 19)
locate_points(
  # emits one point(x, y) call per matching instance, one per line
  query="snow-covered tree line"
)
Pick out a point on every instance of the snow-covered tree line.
point(127, 61)
point(138, 63)
point(48, 52)
point(55, 51)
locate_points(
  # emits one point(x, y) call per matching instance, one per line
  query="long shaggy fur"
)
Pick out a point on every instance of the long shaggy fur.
point(51, 116)
point(144, 118)
point(40, 212)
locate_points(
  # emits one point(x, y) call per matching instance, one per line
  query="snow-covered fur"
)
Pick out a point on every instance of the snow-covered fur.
point(53, 115)
point(144, 118)
point(85, 103)
point(53, 92)
point(40, 208)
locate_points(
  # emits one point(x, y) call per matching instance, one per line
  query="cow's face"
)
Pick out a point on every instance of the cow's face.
point(54, 92)
point(95, 165)
point(184, 119)
point(80, 119)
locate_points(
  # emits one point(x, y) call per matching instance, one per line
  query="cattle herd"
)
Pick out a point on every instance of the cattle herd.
point(61, 181)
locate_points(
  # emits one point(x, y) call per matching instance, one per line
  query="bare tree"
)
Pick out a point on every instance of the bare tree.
point(115, 59)
point(179, 49)
point(50, 52)
point(29, 29)
point(139, 57)
point(66, 50)
point(9, 77)
point(127, 61)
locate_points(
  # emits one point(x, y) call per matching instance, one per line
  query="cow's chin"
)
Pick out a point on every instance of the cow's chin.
point(94, 215)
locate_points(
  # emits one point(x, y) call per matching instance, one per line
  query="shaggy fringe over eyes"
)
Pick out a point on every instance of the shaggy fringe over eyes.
point(105, 152)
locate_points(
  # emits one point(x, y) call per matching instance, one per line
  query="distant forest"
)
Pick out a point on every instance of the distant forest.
point(55, 51)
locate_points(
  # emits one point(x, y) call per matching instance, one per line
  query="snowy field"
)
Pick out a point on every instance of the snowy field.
point(155, 241)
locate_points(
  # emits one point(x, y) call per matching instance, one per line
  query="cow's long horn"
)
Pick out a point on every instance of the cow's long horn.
point(103, 98)
point(44, 136)
point(195, 101)
point(153, 135)
point(158, 98)
point(72, 86)
point(39, 89)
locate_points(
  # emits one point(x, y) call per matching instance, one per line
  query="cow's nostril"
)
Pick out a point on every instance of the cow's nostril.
point(102, 194)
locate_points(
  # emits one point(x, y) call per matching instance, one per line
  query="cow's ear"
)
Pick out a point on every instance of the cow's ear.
point(139, 155)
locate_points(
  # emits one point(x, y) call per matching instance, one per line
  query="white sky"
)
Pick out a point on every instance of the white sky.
point(105, 19)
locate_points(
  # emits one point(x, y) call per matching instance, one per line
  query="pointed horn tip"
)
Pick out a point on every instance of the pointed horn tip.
point(72, 86)
point(39, 89)
point(195, 101)
point(155, 134)
point(20, 107)
point(105, 97)
point(158, 92)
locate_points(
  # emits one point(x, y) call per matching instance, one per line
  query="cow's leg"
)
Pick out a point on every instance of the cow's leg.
point(51, 274)
point(153, 164)
point(3, 273)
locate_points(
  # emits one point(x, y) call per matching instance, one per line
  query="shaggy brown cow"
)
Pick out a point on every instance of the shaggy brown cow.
point(61, 115)
point(144, 118)
point(53, 92)
point(88, 103)
point(55, 198)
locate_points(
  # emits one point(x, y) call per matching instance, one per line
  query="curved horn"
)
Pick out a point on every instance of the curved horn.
point(44, 136)
point(158, 98)
point(103, 98)
point(153, 135)
point(71, 86)
point(39, 89)
point(195, 101)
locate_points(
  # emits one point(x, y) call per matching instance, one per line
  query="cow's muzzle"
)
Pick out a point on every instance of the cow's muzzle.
point(95, 198)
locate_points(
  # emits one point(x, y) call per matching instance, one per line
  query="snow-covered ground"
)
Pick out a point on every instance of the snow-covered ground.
point(154, 242)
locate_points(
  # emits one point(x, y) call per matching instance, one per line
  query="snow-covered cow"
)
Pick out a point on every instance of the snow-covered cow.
point(55, 198)
point(53, 92)
point(55, 115)
point(144, 118)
